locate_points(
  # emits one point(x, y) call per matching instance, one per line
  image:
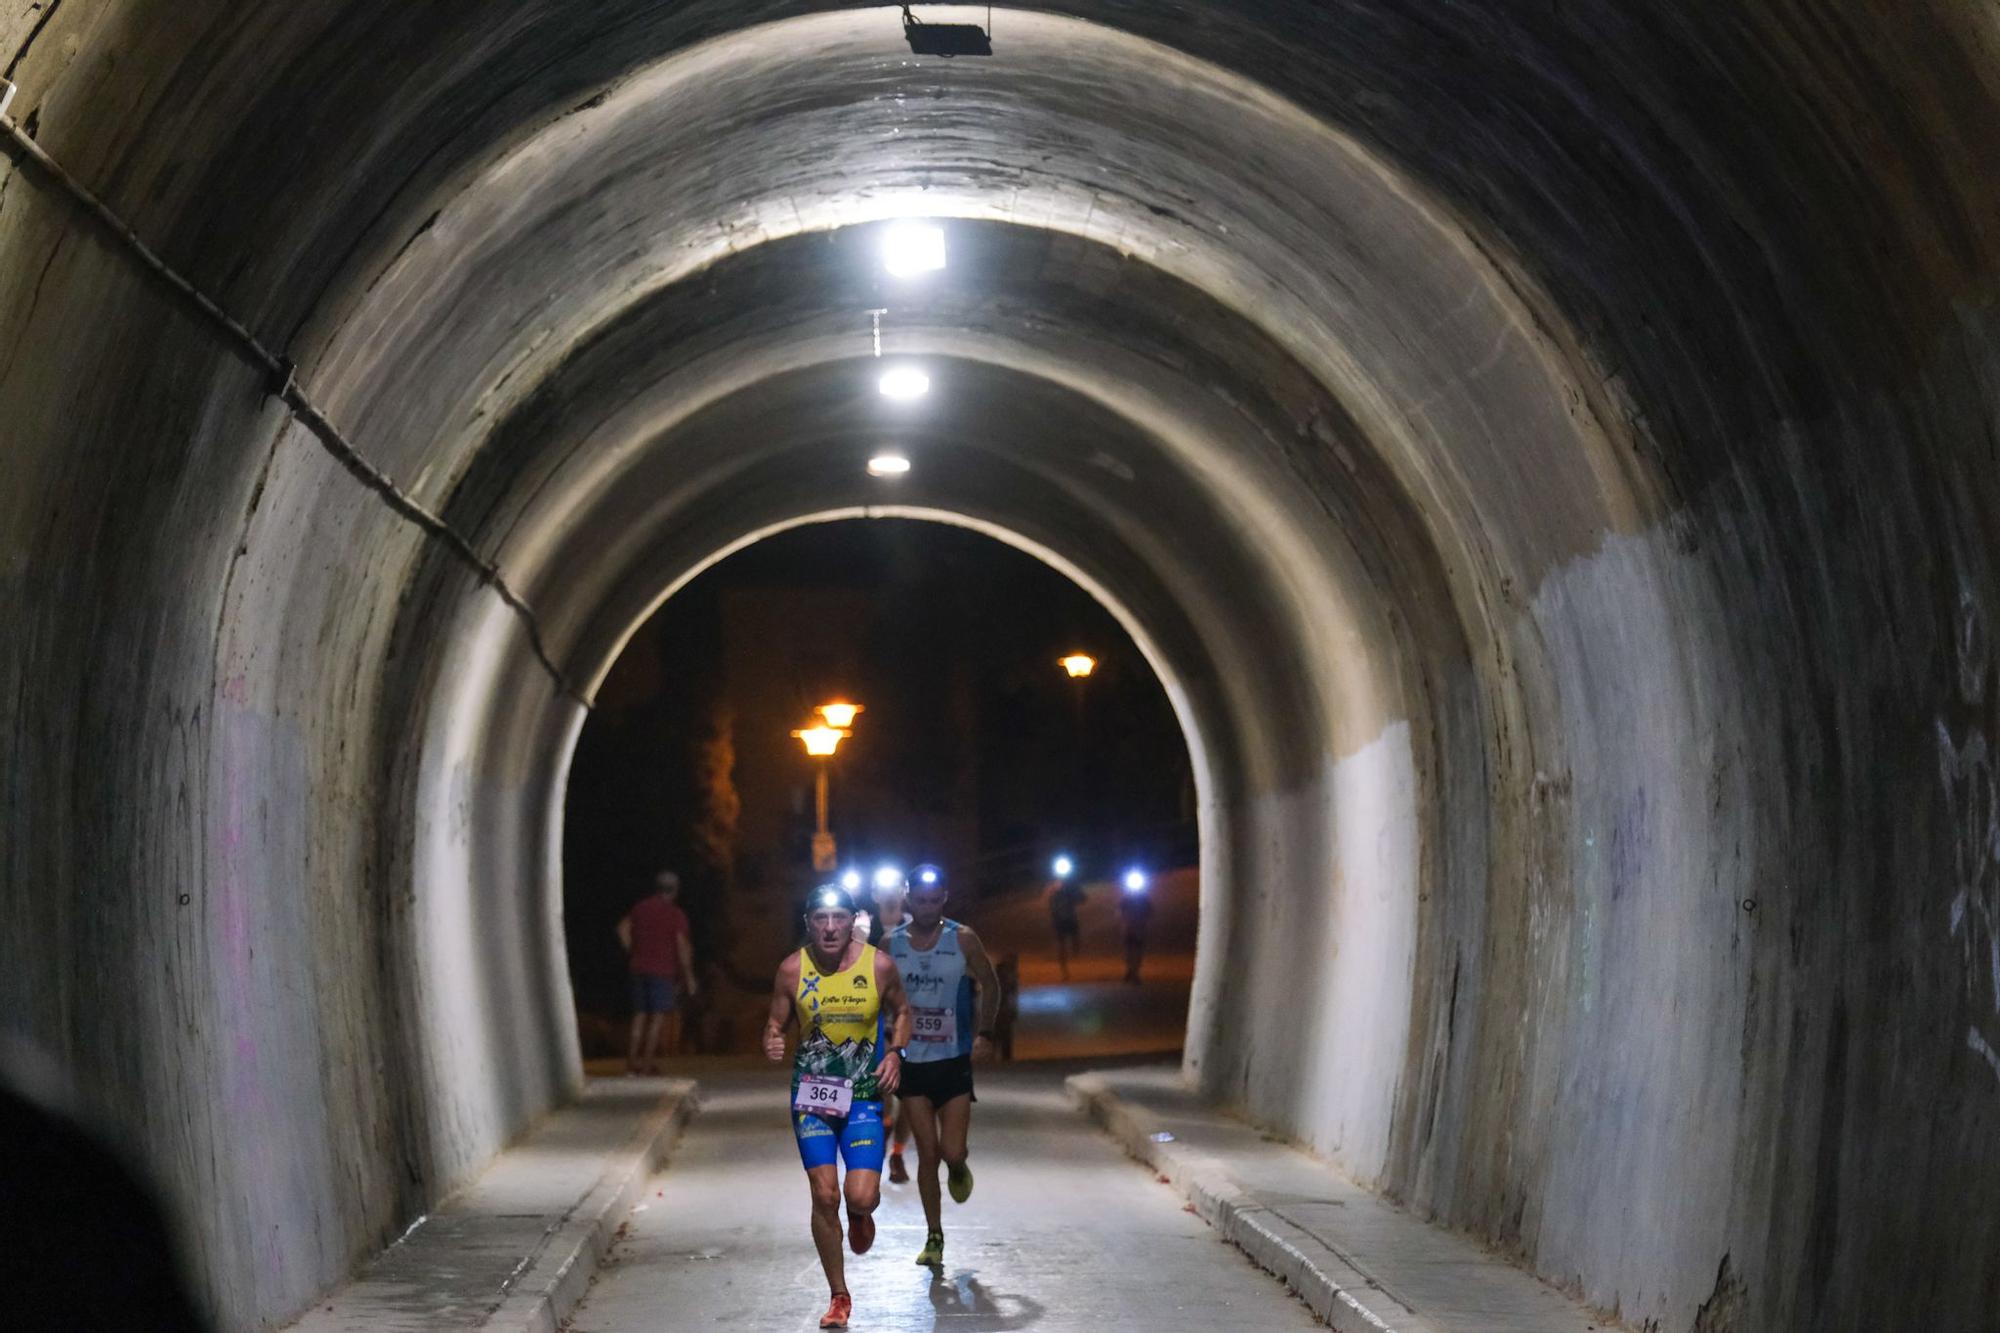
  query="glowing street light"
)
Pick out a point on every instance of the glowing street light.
point(839, 714)
point(904, 383)
point(1064, 867)
point(1079, 665)
point(888, 464)
point(821, 741)
point(910, 248)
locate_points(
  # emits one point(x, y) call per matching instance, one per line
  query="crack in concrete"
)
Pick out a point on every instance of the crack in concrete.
point(243, 542)
point(21, 53)
point(34, 299)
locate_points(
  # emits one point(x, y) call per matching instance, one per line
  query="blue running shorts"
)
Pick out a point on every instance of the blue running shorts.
point(858, 1140)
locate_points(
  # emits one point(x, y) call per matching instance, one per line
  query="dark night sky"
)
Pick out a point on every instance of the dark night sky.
point(970, 751)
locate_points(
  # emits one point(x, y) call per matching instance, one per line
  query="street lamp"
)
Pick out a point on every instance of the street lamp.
point(1079, 665)
point(821, 741)
point(840, 715)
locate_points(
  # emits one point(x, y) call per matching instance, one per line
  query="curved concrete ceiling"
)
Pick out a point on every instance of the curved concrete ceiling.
point(1545, 450)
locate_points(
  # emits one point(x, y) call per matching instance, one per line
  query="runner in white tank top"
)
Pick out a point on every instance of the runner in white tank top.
point(954, 998)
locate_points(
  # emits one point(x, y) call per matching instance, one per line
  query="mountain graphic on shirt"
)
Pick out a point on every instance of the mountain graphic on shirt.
point(851, 1059)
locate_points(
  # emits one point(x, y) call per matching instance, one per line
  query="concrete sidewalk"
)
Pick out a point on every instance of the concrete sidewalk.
point(514, 1251)
point(1361, 1263)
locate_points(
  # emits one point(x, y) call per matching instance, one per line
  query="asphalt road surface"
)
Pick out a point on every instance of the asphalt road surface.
point(1063, 1232)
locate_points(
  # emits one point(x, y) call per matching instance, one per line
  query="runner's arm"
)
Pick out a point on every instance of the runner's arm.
point(889, 985)
point(984, 980)
point(625, 932)
point(781, 1008)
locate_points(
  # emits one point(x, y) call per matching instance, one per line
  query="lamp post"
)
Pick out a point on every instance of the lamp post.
point(1079, 666)
point(821, 740)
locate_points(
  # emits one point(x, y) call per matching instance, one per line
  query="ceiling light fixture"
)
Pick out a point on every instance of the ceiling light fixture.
point(911, 248)
point(904, 383)
point(888, 465)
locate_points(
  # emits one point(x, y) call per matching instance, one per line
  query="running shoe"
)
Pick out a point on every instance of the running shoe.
point(838, 1313)
point(898, 1173)
point(933, 1251)
point(959, 1181)
point(860, 1231)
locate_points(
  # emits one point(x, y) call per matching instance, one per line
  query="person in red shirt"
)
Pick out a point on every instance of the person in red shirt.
point(661, 959)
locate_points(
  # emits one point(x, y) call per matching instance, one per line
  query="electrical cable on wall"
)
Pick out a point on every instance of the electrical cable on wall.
point(282, 383)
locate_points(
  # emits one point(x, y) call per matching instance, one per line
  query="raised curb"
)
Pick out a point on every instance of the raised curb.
point(554, 1280)
point(1343, 1296)
point(547, 1278)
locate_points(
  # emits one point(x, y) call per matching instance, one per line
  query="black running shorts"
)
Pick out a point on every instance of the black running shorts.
point(937, 1081)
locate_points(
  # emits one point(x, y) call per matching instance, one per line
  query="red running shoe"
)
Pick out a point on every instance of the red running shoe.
point(861, 1231)
point(898, 1173)
point(836, 1315)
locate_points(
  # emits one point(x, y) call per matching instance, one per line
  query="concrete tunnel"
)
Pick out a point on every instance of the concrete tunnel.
point(1547, 453)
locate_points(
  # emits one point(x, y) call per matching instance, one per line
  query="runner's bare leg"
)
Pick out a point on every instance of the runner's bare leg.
point(825, 1184)
point(924, 1128)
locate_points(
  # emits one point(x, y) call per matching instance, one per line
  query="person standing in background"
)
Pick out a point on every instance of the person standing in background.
point(660, 957)
point(1135, 910)
point(1008, 972)
point(1065, 897)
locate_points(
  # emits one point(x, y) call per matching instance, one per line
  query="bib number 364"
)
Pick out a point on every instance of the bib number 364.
point(820, 1095)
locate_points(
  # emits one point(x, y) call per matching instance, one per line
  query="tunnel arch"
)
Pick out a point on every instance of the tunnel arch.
point(1661, 346)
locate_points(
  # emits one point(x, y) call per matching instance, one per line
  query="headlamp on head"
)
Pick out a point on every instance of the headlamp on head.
point(831, 898)
point(926, 877)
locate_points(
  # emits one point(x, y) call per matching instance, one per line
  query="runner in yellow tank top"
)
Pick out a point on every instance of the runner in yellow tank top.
point(853, 1024)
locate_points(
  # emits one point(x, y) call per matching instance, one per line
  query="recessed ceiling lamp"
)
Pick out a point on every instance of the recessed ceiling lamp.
point(910, 248)
point(888, 465)
point(904, 383)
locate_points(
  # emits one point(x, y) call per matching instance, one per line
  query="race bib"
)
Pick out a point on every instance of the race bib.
point(820, 1095)
point(935, 1025)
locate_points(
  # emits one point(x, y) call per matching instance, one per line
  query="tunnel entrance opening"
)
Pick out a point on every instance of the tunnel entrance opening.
point(1042, 795)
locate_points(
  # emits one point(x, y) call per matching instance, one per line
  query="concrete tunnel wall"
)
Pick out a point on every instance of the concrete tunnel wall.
point(1548, 453)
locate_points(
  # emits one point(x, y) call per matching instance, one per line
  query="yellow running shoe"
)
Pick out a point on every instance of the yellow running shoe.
point(959, 1181)
point(933, 1251)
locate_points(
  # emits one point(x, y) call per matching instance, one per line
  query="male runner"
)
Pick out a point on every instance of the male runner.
point(943, 966)
point(891, 911)
point(854, 1021)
